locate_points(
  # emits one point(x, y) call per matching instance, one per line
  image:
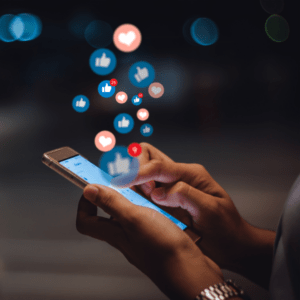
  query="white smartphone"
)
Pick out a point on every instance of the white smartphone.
point(81, 172)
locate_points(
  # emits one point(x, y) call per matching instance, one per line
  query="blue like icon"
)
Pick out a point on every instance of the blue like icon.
point(141, 74)
point(103, 61)
point(136, 100)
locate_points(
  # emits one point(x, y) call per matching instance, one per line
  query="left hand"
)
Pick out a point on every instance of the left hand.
point(149, 241)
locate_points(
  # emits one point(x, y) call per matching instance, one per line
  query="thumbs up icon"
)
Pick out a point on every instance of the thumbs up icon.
point(106, 88)
point(103, 61)
point(123, 123)
point(80, 103)
point(141, 74)
point(119, 166)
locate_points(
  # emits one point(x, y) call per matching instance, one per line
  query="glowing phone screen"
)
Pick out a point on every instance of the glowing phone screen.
point(92, 174)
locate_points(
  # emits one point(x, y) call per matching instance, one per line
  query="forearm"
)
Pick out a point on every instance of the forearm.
point(255, 263)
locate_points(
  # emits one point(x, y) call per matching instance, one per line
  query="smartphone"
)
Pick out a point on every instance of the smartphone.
point(81, 172)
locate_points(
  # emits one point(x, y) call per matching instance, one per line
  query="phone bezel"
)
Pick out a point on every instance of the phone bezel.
point(52, 159)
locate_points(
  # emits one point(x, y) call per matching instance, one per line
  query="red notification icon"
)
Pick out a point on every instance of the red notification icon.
point(134, 149)
point(113, 82)
point(140, 95)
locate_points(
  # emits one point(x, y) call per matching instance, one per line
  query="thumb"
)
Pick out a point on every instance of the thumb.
point(106, 85)
point(112, 202)
point(139, 69)
point(103, 55)
point(118, 156)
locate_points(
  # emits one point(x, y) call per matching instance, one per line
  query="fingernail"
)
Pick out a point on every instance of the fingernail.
point(159, 194)
point(90, 193)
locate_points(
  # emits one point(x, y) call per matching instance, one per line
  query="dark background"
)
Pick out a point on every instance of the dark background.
point(232, 106)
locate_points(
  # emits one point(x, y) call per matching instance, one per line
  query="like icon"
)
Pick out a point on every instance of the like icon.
point(103, 61)
point(80, 103)
point(123, 123)
point(105, 141)
point(127, 38)
point(146, 130)
point(105, 89)
point(141, 74)
point(136, 100)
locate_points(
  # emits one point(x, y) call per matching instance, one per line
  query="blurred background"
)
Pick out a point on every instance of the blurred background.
point(232, 106)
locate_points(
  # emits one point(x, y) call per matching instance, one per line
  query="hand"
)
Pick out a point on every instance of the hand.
point(149, 241)
point(188, 192)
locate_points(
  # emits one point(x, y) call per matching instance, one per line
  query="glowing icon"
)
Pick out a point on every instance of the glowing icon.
point(113, 82)
point(105, 141)
point(103, 61)
point(134, 149)
point(127, 38)
point(146, 130)
point(136, 100)
point(141, 74)
point(121, 97)
point(140, 95)
point(119, 166)
point(156, 90)
point(123, 123)
point(105, 89)
point(80, 103)
point(142, 114)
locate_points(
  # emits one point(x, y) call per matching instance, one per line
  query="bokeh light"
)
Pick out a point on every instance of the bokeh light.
point(186, 31)
point(32, 27)
point(98, 34)
point(272, 6)
point(78, 24)
point(5, 32)
point(16, 27)
point(204, 31)
point(277, 28)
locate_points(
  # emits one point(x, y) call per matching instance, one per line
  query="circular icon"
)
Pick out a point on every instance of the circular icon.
point(119, 167)
point(103, 61)
point(146, 130)
point(81, 103)
point(123, 123)
point(127, 38)
point(142, 114)
point(113, 82)
point(134, 149)
point(105, 141)
point(156, 90)
point(105, 89)
point(121, 97)
point(141, 74)
point(140, 95)
point(136, 100)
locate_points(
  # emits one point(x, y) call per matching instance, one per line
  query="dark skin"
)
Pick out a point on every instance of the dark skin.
point(169, 257)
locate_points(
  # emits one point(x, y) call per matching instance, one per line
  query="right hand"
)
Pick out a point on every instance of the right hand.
point(178, 187)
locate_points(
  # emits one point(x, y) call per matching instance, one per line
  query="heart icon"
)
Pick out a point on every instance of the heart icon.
point(127, 38)
point(156, 90)
point(143, 114)
point(105, 141)
point(121, 97)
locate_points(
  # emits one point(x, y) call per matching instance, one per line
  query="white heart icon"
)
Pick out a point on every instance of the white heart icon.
point(143, 114)
point(121, 97)
point(105, 141)
point(127, 38)
point(156, 90)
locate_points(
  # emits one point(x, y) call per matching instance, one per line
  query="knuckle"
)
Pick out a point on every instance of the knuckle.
point(181, 187)
point(144, 145)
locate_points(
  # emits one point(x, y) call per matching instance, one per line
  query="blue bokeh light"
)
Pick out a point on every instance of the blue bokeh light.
point(32, 27)
point(204, 31)
point(78, 24)
point(98, 34)
point(16, 27)
point(5, 33)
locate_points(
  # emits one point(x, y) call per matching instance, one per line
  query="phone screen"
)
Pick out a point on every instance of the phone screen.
point(93, 174)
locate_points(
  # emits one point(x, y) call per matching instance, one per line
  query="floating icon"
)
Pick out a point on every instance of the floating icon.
point(123, 123)
point(127, 38)
point(105, 141)
point(156, 90)
point(103, 61)
point(119, 166)
point(136, 100)
point(121, 97)
point(141, 74)
point(105, 89)
point(81, 103)
point(113, 82)
point(142, 114)
point(146, 130)
point(134, 149)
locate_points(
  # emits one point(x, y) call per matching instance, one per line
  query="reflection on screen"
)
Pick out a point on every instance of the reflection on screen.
point(92, 174)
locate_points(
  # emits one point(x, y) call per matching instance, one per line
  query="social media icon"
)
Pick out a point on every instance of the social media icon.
point(118, 165)
point(142, 114)
point(134, 149)
point(123, 123)
point(121, 97)
point(127, 37)
point(103, 61)
point(105, 89)
point(156, 90)
point(146, 130)
point(105, 141)
point(136, 100)
point(81, 103)
point(113, 82)
point(141, 74)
